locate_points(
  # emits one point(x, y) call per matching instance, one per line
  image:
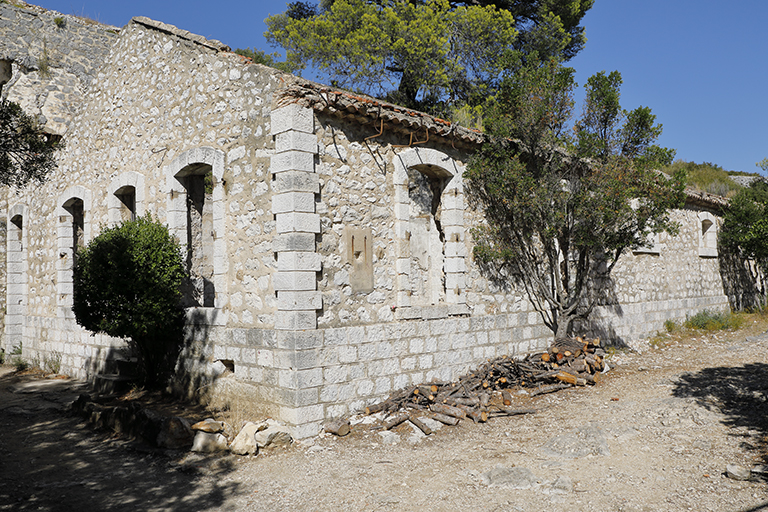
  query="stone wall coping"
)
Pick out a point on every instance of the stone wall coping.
point(213, 44)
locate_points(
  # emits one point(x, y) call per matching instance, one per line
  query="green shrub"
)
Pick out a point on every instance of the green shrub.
point(20, 364)
point(59, 21)
point(16, 360)
point(671, 326)
point(127, 284)
point(714, 321)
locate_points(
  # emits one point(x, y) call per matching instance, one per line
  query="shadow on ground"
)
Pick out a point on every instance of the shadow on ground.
point(50, 460)
point(740, 393)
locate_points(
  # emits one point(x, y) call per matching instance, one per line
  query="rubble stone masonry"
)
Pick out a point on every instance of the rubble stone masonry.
point(327, 235)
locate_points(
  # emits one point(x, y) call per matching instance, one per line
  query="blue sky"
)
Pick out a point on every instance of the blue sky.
point(701, 65)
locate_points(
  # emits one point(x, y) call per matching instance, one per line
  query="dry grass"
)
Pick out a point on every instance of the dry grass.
point(234, 402)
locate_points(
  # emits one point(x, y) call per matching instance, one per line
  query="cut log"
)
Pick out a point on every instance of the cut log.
point(395, 420)
point(546, 375)
point(448, 410)
point(442, 418)
point(478, 416)
point(592, 378)
point(578, 366)
point(458, 402)
point(570, 379)
point(468, 408)
point(568, 362)
point(372, 409)
point(420, 425)
point(566, 377)
point(338, 427)
point(425, 391)
point(551, 388)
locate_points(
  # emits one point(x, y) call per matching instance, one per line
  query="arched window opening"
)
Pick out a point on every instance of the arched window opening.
point(197, 180)
point(426, 235)
point(16, 232)
point(16, 280)
point(196, 217)
point(707, 235)
point(72, 234)
point(127, 202)
point(76, 209)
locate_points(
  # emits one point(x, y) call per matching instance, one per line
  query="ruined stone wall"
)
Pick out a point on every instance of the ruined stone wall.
point(677, 277)
point(165, 106)
point(54, 59)
point(332, 261)
point(376, 335)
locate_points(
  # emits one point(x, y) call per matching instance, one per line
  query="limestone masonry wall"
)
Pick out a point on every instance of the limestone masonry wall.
point(160, 105)
point(327, 236)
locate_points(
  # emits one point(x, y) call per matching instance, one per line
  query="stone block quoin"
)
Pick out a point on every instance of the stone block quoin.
point(293, 205)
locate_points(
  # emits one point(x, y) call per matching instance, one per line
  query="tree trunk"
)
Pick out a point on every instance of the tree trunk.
point(563, 326)
point(408, 89)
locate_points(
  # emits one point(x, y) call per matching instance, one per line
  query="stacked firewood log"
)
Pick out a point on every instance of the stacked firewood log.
point(486, 392)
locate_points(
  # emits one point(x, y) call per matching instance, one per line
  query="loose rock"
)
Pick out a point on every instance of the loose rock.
point(207, 442)
point(388, 437)
point(512, 478)
point(245, 442)
point(273, 435)
point(209, 425)
point(583, 441)
point(737, 472)
point(176, 434)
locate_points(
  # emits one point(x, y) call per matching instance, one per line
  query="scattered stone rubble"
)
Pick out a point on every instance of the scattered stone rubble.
point(177, 433)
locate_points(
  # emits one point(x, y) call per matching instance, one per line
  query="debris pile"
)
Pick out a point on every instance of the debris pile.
point(485, 392)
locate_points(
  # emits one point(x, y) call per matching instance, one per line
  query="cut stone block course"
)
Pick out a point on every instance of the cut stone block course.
point(299, 261)
point(293, 202)
point(298, 222)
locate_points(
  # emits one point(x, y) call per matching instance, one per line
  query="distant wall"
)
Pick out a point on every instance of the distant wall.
point(53, 62)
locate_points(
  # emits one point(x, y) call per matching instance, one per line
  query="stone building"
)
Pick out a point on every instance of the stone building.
point(326, 233)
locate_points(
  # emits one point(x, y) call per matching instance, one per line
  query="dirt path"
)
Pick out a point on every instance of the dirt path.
point(656, 435)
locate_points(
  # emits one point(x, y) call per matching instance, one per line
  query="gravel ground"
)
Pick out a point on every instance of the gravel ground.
point(657, 434)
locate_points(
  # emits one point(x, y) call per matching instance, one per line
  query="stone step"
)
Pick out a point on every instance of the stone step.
point(111, 383)
point(121, 366)
point(127, 367)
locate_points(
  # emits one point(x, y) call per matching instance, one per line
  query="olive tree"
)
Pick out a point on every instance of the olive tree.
point(562, 200)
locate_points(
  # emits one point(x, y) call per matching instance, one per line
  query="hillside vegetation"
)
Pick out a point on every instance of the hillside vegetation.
point(708, 177)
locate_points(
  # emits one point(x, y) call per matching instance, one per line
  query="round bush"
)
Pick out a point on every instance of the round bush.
point(127, 284)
